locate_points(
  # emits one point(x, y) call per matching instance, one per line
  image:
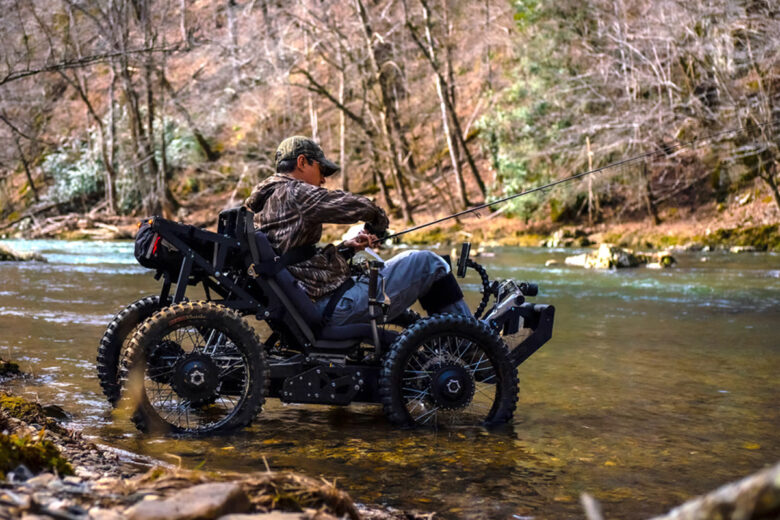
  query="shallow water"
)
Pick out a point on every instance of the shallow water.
point(656, 386)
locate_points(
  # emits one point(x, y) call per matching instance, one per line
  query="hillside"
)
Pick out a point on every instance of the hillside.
point(112, 112)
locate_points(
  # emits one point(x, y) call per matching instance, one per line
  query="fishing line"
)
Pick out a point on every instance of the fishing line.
point(665, 150)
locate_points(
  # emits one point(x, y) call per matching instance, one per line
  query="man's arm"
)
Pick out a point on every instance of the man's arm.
point(320, 206)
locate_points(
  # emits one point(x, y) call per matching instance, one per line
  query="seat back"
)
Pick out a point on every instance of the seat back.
point(288, 284)
point(286, 296)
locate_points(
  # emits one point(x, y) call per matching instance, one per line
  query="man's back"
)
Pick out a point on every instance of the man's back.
point(291, 213)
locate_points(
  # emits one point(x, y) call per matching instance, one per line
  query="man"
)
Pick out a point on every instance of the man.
point(290, 208)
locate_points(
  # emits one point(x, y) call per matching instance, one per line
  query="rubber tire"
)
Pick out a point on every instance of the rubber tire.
point(114, 340)
point(447, 325)
point(198, 314)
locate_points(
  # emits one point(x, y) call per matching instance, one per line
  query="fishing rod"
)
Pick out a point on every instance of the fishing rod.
point(666, 150)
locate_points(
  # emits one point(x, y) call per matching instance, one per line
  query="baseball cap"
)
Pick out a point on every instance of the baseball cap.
point(297, 145)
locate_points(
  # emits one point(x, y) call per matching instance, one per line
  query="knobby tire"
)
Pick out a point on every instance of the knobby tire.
point(198, 316)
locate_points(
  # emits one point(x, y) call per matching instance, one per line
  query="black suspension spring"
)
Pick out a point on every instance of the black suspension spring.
point(487, 287)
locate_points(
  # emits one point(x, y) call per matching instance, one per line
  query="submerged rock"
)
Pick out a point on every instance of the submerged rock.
point(8, 254)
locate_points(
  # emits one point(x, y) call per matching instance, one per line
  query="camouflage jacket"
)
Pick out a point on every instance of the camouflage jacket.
point(293, 214)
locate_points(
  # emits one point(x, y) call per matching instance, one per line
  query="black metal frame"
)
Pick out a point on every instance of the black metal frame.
point(306, 371)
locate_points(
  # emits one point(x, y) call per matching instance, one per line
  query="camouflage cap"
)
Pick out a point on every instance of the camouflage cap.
point(297, 145)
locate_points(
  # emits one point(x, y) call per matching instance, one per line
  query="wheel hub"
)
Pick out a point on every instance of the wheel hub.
point(452, 387)
point(196, 377)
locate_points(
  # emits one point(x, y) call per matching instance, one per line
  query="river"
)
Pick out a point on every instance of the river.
point(656, 386)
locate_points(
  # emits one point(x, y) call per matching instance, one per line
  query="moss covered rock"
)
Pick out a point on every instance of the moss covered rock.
point(37, 455)
point(759, 238)
point(28, 411)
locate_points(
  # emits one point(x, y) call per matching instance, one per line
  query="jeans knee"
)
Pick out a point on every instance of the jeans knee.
point(431, 262)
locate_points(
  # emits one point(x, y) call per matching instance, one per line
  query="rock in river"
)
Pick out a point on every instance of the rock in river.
point(609, 256)
point(9, 255)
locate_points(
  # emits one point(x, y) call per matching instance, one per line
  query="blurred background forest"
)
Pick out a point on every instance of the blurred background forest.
point(119, 108)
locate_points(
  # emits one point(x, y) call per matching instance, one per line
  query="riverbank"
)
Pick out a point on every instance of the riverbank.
point(745, 224)
point(49, 471)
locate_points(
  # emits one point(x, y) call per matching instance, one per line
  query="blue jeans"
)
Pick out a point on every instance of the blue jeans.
point(405, 277)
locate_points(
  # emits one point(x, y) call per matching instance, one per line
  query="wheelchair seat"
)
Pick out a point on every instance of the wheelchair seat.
point(293, 301)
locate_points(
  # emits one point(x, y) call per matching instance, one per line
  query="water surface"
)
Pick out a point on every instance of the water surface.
point(656, 386)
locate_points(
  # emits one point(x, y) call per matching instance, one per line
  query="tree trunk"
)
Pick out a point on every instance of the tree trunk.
point(110, 184)
point(652, 211)
point(185, 37)
point(450, 83)
point(342, 127)
point(446, 84)
point(451, 144)
point(385, 110)
point(26, 165)
point(233, 44)
point(768, 176)
point(379, 177)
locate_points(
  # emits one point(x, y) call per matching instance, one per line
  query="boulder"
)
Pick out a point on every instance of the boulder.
point(742, 249)
point(565, 237)
point(657, 259)
point(606, 257)
point(202, 502)
point(7, 254)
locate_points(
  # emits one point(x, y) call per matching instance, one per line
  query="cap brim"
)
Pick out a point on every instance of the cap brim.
point(327, 167)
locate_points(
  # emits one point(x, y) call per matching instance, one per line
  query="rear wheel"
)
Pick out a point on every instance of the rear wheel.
point(448, 370)
point(194, 368)
point(115, 339)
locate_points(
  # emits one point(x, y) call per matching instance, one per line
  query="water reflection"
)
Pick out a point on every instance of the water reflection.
point(657, 385)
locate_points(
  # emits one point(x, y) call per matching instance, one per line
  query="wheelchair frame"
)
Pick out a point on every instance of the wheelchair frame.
point(235, 274)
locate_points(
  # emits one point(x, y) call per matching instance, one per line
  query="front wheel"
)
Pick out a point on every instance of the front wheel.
point(116, 338)
point(448, 370)
point(194, 368)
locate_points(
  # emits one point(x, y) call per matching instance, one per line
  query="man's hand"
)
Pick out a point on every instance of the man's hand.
point(363, 240)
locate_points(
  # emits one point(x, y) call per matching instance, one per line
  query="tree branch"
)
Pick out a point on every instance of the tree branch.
point(88, 60)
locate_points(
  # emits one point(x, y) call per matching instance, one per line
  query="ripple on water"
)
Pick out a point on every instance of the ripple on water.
point(57, 317)
point(106, 269)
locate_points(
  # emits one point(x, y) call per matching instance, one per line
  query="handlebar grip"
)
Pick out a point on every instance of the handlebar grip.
point(465, 249)
point(529, 289)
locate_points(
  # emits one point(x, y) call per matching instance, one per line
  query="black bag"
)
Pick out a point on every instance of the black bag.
point(154, 252)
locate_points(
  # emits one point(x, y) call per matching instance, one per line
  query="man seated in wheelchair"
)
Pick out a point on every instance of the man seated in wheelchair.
point(290, 208)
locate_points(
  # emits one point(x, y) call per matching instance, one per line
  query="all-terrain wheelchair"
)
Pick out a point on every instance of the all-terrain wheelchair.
point(197, 367)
